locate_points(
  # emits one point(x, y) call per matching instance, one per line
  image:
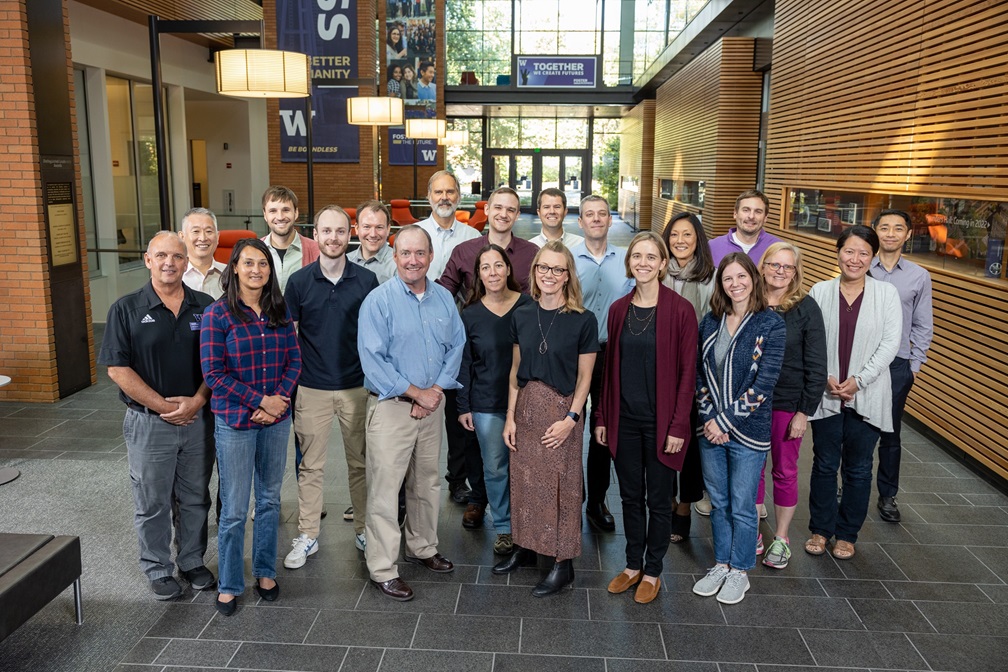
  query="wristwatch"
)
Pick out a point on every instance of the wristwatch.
point(573, 416)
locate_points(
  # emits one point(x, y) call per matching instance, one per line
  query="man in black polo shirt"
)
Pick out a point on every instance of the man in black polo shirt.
point(324, 299)
point(151, 348)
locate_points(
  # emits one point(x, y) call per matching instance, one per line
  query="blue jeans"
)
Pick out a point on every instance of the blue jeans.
point(245, 456)
point(496, 462)
point(731, 474)
point(846, 443)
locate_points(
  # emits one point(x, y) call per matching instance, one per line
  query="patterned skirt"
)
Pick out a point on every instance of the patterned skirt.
point(545, 482)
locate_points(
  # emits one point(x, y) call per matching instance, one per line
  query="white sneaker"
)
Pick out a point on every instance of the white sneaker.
point(303, 547)
point(734, 589)
point(761, 510)
point(711, 584)
point(360, 541)
point(703, 507)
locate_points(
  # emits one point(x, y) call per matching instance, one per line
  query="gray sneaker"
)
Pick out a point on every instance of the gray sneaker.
point(711, 584)
point(360, 541)
point(165, 588)
point(778, 555)
point(703, 507)
point(734, 589)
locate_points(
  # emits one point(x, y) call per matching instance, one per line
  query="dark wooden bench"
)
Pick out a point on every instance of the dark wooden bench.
point(34, 569)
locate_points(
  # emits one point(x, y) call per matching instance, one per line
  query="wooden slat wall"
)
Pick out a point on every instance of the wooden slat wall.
point(138, 10)
point(637, 137)
point(707, 128)
point(906, 97)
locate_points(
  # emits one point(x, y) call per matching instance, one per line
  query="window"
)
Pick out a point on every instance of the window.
point(87, 182)
point(957, 234)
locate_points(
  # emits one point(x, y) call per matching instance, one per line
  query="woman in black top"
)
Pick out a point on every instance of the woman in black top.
point(798, 391)
point(555, 341)
point(486, 361)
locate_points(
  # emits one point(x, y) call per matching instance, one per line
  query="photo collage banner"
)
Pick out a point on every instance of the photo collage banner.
point(410, 73)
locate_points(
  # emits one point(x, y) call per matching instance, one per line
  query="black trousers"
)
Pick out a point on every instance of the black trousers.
point(464, 457)
point(599, 458)
point(691, 483)
point(646, 490)
point(887, 478)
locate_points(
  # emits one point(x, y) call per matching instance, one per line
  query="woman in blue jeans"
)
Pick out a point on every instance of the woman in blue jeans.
point(864, 322)
point(486, 363)
point(251, 361)
point(741, 350)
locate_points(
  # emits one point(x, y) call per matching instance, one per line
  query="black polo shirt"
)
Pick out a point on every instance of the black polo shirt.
point(326, 314)
point(143, 334)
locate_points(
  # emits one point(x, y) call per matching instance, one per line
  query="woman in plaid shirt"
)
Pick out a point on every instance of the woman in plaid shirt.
point(250, 359)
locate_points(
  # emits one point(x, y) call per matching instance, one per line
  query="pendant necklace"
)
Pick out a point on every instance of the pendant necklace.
point(647, 321)
point(543, 346)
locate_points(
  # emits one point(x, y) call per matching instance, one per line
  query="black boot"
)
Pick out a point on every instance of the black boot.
point(522, 557)
point(561, 576)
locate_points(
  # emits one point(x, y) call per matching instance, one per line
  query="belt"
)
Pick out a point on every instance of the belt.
point(142, 409)
point(405, 399)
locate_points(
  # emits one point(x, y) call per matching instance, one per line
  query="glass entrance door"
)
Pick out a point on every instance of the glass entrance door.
point(529, 172)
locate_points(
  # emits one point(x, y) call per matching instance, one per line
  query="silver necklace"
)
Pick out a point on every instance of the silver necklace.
point(647, 322)
point(543, 346)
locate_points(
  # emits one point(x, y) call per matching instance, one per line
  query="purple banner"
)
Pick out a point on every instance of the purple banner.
point(555, 72)
point(400, 150)
point(329, 37)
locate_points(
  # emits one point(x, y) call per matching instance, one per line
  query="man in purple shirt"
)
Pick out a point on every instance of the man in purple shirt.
point(502, 211)
point(748, 236)
point(914, 286)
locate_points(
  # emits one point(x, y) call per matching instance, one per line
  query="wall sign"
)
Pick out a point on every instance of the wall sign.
point(555, 72)
point(327, 31)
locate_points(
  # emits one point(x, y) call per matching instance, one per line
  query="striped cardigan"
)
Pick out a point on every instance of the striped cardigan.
point(740, 399)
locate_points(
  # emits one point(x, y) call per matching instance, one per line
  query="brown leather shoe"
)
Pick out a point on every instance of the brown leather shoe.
point(396, 588)
point(622, 582)
point(435, 563)
point(646, 591)
point(473, 516)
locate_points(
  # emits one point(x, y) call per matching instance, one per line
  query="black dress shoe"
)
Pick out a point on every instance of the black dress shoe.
point(599, 517)
point(459, 493)
point(226, 608)
point(396, 588)
point(268, 594)
point(888, 511)
point(522, 557)
point(561, 576)
point(436, 563)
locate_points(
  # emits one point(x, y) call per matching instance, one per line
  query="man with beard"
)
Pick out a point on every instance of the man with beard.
point(552, 209)
point(374, 252)
point(748, 236)
point(410, 344)
point(324, 300)
point(290, 250)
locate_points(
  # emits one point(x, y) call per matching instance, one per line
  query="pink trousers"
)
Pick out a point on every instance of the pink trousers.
point(784, 455)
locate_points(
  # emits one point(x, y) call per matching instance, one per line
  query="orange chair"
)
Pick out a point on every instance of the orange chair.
point(462, 216)
point(226, 241)
point(401, 212)
point(479, 219)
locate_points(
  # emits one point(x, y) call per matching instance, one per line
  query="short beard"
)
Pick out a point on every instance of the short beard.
point(446, 210)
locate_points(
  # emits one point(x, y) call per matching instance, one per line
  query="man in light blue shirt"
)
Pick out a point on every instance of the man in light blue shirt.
point(602, 273)
point(426, 86)
point(410, 339)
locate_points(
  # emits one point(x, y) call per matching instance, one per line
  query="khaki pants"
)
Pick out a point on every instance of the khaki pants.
point(401, 447)
point(313, 423)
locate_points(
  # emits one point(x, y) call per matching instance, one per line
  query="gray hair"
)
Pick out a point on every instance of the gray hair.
point(199, 211)
point(588, 199)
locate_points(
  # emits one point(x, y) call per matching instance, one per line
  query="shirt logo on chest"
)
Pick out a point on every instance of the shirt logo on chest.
point(147, 319)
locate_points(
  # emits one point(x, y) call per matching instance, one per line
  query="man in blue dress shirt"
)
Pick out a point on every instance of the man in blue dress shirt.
point(410, 339)
point(602, 273)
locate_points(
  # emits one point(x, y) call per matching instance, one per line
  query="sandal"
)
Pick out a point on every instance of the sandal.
point(816, 545)
point(843, 550)
point(680, 527)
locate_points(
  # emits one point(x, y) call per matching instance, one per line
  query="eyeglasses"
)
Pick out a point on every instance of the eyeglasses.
point(543, 269)
point(787, 268)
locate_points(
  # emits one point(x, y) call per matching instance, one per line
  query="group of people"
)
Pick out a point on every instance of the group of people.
point(698, 358)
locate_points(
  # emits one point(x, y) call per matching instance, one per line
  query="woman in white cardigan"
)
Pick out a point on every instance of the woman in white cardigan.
point(863, 325)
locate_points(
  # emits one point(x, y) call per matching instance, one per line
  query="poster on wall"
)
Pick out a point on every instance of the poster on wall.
point(410, 46)
point(329, 37)
point(556, 72)
point(401, 147)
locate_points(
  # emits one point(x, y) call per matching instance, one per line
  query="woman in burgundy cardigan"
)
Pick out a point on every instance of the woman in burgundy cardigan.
point(645, 424)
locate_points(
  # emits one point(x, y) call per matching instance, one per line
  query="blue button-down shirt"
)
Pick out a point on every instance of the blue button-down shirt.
point(407, 340)
point(602, 282)
point(914, 286)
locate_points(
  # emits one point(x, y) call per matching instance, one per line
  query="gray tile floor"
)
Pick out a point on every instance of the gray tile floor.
point(927, 594)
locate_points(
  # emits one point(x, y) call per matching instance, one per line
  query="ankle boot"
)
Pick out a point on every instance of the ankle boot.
point(522, 557)
point(561, 576)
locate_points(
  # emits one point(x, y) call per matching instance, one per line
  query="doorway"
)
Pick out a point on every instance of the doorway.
point(531, 171)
